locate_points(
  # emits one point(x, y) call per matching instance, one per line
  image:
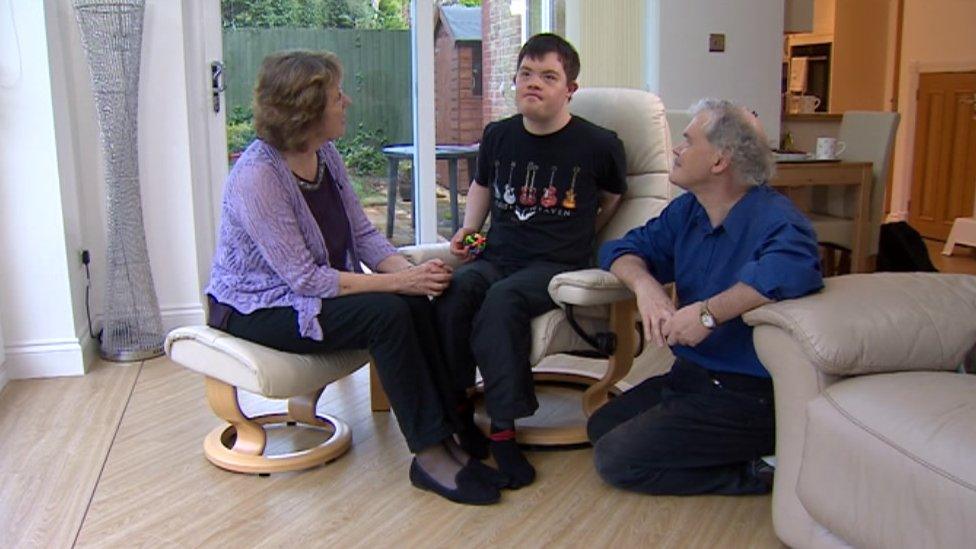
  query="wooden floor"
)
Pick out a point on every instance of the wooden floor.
point(962, 260)
point(115, 458)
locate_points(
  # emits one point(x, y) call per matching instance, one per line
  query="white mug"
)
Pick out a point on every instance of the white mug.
point(808, 103)
point(829, 148)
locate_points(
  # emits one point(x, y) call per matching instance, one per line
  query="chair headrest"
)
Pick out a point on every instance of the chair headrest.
point(636, 116)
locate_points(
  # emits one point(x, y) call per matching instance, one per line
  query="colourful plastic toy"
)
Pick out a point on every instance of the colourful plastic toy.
point(475, 243)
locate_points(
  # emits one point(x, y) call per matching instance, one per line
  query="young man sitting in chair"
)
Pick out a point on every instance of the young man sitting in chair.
point(551, 180)
point(730, 244)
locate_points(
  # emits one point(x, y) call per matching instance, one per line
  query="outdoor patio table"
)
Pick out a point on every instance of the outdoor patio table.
point(452, 153)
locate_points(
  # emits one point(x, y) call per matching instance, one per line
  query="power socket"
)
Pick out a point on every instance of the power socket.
point(716, 42)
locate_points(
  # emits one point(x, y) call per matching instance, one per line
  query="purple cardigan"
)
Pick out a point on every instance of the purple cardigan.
point(270, 251)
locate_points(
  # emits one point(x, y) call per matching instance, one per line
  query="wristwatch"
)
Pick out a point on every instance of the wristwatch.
point(706, 317)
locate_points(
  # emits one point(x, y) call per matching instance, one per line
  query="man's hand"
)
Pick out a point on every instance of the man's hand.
point(655, 309)
point(430, 278)
point(458, 248)
point(685, 327)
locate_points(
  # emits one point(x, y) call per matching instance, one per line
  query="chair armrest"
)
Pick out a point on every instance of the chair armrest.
point(425, 252)
point(587, 287)
point(882, 322)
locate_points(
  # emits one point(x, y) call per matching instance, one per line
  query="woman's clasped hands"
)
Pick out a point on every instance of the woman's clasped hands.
point(430, 278)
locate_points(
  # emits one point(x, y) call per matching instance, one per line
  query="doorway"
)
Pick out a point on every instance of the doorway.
point(205, 23)
point(944, 169)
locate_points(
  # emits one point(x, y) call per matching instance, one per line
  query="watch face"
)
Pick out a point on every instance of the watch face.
point(707, 320)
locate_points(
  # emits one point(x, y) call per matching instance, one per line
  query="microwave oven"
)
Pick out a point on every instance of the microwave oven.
point(810, 73)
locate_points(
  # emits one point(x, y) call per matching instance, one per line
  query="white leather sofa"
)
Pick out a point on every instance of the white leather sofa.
point(875, 427)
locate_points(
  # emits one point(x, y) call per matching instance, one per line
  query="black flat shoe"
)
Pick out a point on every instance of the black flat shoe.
point(471, 489)
point(488, 474)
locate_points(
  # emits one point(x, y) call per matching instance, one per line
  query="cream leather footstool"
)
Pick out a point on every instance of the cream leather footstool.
point(230, 363)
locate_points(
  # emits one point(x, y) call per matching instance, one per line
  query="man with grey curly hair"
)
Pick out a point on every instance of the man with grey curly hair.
point(738, 131)
point(730, 244)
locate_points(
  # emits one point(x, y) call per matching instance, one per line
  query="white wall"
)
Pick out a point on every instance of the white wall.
point(53, 209)
point(35, 290)
point(681, 69)
point(3, 368)
point(165, 172)
point(937, 36)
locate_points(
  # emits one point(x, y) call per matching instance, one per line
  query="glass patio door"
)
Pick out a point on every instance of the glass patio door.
point(388, 65)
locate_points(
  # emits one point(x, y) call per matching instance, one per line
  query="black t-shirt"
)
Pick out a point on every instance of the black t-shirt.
point(545, 189)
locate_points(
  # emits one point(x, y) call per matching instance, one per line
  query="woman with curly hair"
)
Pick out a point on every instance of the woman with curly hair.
point(286, 272)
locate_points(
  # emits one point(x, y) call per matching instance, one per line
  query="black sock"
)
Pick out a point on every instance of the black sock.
point(507, 454)
point(499, 425)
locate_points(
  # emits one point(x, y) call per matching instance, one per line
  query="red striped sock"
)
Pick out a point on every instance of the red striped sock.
point(501, 436)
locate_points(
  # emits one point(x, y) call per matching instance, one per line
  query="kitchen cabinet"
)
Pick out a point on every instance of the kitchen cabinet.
point(861, 36)
point(798, 16)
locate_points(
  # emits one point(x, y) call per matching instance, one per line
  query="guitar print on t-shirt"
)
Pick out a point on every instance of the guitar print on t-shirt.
point(509, 189)
point(569, 202)
point(527, 196)
point(529, 203)
point(494, 185)
point(549, 196)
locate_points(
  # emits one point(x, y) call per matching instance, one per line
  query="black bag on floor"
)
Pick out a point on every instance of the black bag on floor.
point(901, 249)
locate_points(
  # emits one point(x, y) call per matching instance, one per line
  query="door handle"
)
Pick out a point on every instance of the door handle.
point(216, 83)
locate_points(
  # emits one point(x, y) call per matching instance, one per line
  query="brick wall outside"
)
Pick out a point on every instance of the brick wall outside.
point(502, 38)
point(458, 111)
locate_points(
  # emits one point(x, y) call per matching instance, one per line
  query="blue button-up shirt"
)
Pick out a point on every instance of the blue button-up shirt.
point(764, 242)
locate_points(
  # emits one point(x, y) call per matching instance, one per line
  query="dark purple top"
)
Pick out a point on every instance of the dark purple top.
point(322, 197)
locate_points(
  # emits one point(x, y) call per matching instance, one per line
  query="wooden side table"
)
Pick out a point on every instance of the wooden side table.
point(832, 174)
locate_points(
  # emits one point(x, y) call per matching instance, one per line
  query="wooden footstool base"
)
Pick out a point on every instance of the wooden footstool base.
point(230, 364)
point(240, 446)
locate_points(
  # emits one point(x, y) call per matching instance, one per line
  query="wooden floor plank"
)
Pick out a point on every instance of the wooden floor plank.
point(54, 437)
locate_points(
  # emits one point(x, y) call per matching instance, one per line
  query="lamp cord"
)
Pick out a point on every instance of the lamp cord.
point(86, 260)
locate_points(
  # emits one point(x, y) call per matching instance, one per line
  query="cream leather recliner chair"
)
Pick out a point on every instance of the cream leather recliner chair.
point(875, 428)
point(598, 300)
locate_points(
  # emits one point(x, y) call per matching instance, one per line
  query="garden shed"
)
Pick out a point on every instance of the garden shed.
point(457, 52)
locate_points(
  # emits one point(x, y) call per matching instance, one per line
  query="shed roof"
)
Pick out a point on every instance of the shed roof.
point(462, 22)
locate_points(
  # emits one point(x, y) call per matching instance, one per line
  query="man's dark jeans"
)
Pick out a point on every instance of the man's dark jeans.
point(690, 431)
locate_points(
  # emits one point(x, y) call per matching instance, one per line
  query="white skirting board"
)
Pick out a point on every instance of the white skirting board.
point(70, 357)
point(45, 358)
point(175, 316)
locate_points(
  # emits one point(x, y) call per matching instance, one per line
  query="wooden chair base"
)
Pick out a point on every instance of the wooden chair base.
point(570, 435)
point(240, 446)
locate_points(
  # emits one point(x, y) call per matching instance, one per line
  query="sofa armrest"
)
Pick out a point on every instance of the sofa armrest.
point(882, 322)
point(424, 252)
point(587, 287)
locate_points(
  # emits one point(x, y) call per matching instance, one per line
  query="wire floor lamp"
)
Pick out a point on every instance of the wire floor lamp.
point(111, 33)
